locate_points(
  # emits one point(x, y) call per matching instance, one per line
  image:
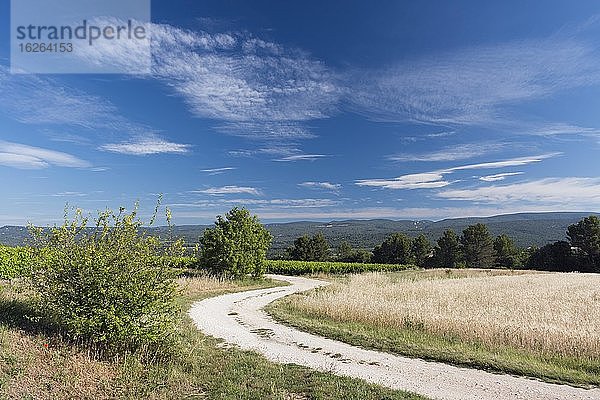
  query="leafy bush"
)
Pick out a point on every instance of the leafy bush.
point(287, 267)
point(14, 261)
point(236, 246)
point(110, 285)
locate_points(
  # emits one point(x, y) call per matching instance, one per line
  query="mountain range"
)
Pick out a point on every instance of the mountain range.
point(527, 229)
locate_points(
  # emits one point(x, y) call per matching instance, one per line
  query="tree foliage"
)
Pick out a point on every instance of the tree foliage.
point(395, 249)
point(420, 250)
point(307, 248)
point(236, 246)
point(477, 246)
point(447, 253)
point(505, 252)
point(585, 235)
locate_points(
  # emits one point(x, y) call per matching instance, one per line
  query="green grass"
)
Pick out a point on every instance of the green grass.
point(36, 363)
point(413, 341)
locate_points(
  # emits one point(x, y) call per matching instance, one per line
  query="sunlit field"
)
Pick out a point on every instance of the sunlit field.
point(550, 320)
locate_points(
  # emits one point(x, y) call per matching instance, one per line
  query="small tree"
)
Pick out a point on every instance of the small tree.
point(236, 246)
point(395, 249)
point(420, 250)
point(477, 246)
point(505, 252)
point(306, 248)
point(447, 253)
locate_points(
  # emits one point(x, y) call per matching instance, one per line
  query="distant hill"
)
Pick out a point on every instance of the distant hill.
point(526, 229)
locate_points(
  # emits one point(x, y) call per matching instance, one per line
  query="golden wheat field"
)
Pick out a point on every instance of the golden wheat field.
point(555, 314)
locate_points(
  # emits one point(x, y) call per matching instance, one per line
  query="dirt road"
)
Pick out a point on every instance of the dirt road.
point(238, 319)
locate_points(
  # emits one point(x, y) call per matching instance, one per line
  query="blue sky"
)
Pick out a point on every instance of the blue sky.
point(317, 111)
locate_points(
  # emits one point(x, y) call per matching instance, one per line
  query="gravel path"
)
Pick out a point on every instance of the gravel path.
point(238, 318)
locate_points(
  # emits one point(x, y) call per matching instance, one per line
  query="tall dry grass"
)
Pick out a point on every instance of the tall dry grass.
point(555, 314)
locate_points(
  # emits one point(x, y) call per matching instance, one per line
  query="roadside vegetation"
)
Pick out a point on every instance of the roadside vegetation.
point(98, 311)
point(541, 325)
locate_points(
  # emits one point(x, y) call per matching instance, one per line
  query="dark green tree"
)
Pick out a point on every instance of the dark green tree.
point(306, 248)
point(395, 249)
point(447, 253)
point(555, 256)
point(420, 250)
point(505, 252)
point(344, 251)
point(585, 236)
point(236, 246)
point(477, 247)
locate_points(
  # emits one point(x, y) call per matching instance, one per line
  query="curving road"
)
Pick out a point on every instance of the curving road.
point(238, 319)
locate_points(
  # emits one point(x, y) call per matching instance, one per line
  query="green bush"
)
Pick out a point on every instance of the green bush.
point(14, 261)
point(287, 267)
point(110, 285)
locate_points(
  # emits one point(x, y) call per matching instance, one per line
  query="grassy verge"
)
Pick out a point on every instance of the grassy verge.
point(415, 341)
point(37, 364)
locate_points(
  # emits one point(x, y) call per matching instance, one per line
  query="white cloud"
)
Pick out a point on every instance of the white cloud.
point(334, 187)
point(498, 177)
point(260, 203)
point(253, 87)
point(34, 99)
point(428, 180)
point(146, 146)
point(301, 157)
point(230, 190)
point(436, 179)
point(217, 171)
point(452, 153)
point(473, 85)
point(569, 192)
point(29, 157)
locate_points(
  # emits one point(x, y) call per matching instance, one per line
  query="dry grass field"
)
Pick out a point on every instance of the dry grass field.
point(545, 325)
point(553, 313)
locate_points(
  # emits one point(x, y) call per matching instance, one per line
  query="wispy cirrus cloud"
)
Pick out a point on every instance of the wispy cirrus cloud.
point(452, 153)
point(22, 156)
point(436, 179)
point(230, 190)
point(580, 192)
point(146, 146)
point(473, 85)
point(250, 87)
point(334, 187)
point(301, 157)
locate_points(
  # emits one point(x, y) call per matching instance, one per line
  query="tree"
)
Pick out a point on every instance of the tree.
point(395, 249)
point(308, 248)
point(477, 246)
point(585, 235)
point(420, 250)
point(555, 256)
point(505, 252)
point(447, 253)
point(344, 251)
point(236, 246)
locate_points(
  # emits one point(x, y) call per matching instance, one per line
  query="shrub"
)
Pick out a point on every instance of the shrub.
point(236, 246)
point(14, 261)
point(110, 285)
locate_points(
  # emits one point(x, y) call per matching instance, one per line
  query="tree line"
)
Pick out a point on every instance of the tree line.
point(474, 248)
